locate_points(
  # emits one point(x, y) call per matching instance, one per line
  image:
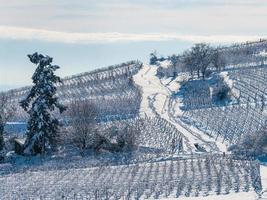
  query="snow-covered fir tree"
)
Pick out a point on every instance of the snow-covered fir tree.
point(153, 58)
point(42, 126)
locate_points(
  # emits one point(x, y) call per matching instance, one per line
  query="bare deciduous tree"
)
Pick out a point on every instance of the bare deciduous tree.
point(198, 59)
point(6, 112)
point(218, 60)
point(82, 117)
point(85, 133)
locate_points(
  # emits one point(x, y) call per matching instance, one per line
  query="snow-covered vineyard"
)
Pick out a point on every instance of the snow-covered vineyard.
point(191, 132)
point(156, 132)
point(248, 104)
point(105, 87)
point(195, 176)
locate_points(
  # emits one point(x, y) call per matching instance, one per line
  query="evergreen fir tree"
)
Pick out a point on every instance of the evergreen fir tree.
point(42, 127)
point(153, 58)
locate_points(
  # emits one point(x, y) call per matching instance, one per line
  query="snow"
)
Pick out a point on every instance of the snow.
point(262, 53)
point(15, 123)
point(251, 195)
point(233, 196)
point(161, 179)
point(20, 140)
point(264, 181)
point(165, 64)
point(227, 79)
point(157, 100)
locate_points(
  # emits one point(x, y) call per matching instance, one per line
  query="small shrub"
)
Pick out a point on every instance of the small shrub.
point(223, 93)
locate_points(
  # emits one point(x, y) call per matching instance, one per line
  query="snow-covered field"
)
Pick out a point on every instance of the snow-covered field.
point(157, 100)
point(199, 176)
point(200, 171)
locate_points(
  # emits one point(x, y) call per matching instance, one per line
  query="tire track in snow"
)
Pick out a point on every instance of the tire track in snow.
point(153, 90)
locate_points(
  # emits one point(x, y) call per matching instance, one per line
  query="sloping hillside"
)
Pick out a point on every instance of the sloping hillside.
point(158, 100)
point(183, 127)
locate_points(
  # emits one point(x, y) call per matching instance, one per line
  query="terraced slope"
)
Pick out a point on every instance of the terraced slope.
point(246, 114)
point(111, 89)
point(155, 132)
point(195, 176)
point(158, 100)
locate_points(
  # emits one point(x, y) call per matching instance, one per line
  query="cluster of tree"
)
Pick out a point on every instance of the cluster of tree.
point(43, 125)
point(200, 58)
point(197, 60)
point(85, 133)
point(154, 58)
point(43, 107)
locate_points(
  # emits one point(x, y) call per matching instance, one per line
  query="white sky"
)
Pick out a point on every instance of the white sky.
point(116, 30)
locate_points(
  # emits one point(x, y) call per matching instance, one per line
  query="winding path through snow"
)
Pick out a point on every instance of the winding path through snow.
point(157, 100)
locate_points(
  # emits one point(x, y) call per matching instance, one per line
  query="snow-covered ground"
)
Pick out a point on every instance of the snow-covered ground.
point(233, 196)
point(158, 100)
point(200, 176)
point(264, 181)
point(172, 178)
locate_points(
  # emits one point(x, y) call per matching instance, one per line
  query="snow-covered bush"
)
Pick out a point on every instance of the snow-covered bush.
point(116, 138)
point(10, 144)
point(224, 86)
point(166, 68)
point(128, 137)
point(222, 92)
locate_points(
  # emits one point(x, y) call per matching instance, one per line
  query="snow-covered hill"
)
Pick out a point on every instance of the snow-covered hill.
point(201, 129)
point(158, 101)
point(246, 112)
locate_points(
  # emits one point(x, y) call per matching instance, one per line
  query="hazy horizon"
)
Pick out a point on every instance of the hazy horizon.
point(82, 36)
